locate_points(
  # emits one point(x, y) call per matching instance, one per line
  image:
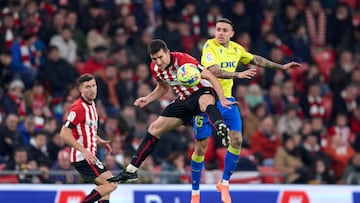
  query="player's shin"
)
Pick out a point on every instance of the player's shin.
point(213, 113)
point(146, 147)
point(197, 164)
point(231, 162)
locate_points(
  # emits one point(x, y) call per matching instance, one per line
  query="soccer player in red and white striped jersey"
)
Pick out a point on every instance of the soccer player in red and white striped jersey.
point(80, 132)
point(191, 102)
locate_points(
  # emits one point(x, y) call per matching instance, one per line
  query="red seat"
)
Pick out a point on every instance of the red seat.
point(270, 174)
point(351, 3)
point(328, 104)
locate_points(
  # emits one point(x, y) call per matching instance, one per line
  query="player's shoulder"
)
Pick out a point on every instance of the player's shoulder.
point(210, 43)
point(236, 45)
point(77, 105)
point(181, 58)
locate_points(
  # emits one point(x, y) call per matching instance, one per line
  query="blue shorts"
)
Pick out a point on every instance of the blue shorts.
point(203, 128)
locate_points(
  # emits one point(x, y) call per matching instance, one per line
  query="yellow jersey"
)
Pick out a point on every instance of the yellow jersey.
point(227, 59)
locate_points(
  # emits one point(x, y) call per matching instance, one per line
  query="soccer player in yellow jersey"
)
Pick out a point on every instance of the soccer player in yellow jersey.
point(221, 56)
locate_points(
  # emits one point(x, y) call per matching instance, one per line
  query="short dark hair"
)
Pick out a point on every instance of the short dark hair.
point(85, 78)
point(225, 20)
point(52, 48)
point(156, 45)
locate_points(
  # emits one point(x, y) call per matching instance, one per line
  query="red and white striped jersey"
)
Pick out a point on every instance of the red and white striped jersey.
point(82, 118)
point(169, 74)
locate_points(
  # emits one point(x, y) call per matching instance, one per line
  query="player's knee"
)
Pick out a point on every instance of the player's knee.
point(155, 130)
point(237, 140)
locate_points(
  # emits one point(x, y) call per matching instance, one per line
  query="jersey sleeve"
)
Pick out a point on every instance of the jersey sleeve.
point(73, 117)
point(246, 57)
point(209, 56)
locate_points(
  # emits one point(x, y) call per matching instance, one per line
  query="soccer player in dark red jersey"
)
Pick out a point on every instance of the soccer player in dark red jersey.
point(191, 102)
point(80, 132)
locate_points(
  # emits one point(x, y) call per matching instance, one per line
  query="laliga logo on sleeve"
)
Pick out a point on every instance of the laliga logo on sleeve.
point(294, 197)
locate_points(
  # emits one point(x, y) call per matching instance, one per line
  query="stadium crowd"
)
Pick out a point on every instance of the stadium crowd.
point(304, 123)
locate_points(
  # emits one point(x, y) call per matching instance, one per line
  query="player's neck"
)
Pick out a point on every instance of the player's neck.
point(86, 100)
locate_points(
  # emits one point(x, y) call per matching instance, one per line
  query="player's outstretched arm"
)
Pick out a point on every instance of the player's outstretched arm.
point(160, 90)
point(247, 74)
point(265, 63)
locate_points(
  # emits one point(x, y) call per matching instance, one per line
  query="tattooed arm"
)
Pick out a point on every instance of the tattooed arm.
point(265, 63)
point(248, 74)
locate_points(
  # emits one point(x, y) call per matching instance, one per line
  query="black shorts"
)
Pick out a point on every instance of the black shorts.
point(186, 109)
point(89, 171)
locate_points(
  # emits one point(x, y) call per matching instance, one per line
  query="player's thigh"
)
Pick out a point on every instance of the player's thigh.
point(202, 127)
point(201, 146)
point(205, 100)
point(164, 124)
point(231, 117)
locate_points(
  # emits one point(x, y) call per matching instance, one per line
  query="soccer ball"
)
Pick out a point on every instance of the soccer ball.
point(188, 75)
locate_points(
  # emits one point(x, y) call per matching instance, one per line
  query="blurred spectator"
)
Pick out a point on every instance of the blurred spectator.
point(6, 70)
point(27, 57)
point(13, 101)
point(19, 162)
point(347, 101)
point(31, 18)
point(110, 163)
point(340, 75)
point(107, 80)
point(89, 14)
point(240, 15)
point(292, 19)
point(341, 127)
point(37, 99)
point(174, 167)
point(274, 101)
point(316, 23)
point(51, 28)
point(120, 40)
point(320, 173)
point(66, 45)
point(212, 15)
point(290, 95)
point(143, 75)
point(38, 150)
point(352, 171)
point(77, 35)
point(341, 20)
point(63, 164)
point(299, 43)
point(10, 138)
point(58, 74)
point(254, 95)
point(288, 161)
point(352, 42)
point(8, 31)
point(289, 123)
point(50, 126)
point(27, 129)
point(190, 15)
point(126, 87)
point(169, 33)
point(187, 40)
point(54, 145)
point(98, 35)
point(340, 154)
point(97, 61)
point(310, 149)
point(140, 46)
point(197, 49)
point(312, 103)
point(13, 8)
point(265, 140)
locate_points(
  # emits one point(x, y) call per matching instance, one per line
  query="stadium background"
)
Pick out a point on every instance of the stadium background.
point(45, 45)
